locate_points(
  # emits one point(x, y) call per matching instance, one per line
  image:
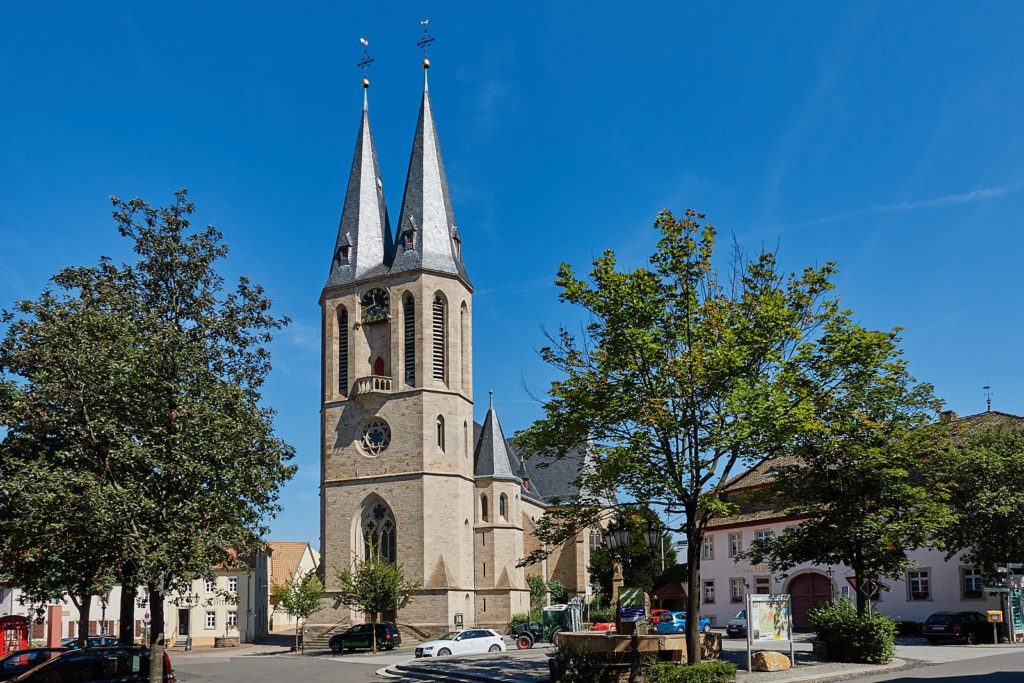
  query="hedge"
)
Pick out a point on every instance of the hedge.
point(676, 672)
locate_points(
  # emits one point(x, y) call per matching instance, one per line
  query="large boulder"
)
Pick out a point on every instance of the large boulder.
point(769, 660)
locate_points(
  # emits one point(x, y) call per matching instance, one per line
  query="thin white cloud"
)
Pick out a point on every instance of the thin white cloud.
point(934, 202)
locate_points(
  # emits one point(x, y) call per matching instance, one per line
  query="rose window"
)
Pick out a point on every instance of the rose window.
point(376, 437)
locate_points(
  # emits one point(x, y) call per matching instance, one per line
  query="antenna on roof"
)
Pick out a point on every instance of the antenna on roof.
point(988, 398)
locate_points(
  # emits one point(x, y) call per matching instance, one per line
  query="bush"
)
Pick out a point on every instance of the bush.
point(602, 615)
point(521, 618)
point(850, 638)
point(677, 672)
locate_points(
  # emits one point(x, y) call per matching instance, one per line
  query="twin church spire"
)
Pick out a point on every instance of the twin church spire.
point(427, 236)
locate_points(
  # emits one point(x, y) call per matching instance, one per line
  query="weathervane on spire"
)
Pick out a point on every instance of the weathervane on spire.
point(425, 42)
point(365, 62)
point(988, 397)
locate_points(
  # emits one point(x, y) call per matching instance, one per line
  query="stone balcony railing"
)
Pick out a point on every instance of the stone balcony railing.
point(374, 384)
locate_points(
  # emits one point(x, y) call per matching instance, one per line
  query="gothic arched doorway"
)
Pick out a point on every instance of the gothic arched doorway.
point(808, 590)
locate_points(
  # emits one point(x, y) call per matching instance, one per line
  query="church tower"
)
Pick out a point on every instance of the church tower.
point(397, 474)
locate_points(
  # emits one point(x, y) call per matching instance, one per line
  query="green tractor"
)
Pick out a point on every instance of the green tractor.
point(554, 620)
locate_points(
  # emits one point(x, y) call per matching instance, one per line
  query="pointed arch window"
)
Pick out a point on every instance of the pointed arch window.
point(439, 338)
point(409, 321)
point(343, 351)
point(440, 432)
point(483, 508)
point(464, 355)
point(503, 506)
point(380, 534)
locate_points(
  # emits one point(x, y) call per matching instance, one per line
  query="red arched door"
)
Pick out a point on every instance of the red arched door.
point(807, 591)
point(378, 367)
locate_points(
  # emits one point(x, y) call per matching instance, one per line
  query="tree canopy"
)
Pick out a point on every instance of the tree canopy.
point(373, 585)
point(681, 377)
point(146, 378)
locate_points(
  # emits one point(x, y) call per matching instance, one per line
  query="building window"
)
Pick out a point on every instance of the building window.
point(483, 508)
point(439, 338)
point(734, 545)
point(762, 585)
point(709, 591)
point(595, 539)
point(342, 351)
point(485, 604)
point(464, 344)
point(232, 584)
point(919, 585)
point(211, 619)
point(380, 533)
point(465, 436)
point(210, 585)
point(736, 589)
point(970, 583)
point(409, 321)
point(503, 506)
point(707, 551)
point(233, 619)
point(440, 432)
point(762, 535)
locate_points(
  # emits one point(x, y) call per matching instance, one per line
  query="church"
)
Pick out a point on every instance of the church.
point(405, 469)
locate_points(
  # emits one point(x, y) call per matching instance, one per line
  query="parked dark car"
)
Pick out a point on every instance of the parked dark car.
point(92, 641)
point(17, 663)
point(737, 626)
point(361, 636)
point(957, 627)
point(121, 664)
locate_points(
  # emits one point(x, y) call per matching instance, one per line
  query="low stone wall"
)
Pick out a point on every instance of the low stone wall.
point(226, 641)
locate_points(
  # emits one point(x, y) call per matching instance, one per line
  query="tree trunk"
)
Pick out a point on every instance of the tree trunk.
point(84, 605)
point(373, 625)
point(693, 550)
point(156, 634)
point(296, 635)
point(126, 627)
point(858, 580)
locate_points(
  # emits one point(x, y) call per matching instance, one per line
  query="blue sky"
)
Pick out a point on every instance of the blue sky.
point(886, 137)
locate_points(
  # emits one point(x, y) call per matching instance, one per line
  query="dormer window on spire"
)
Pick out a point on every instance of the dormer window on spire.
point(409, 238)
point(342, 256)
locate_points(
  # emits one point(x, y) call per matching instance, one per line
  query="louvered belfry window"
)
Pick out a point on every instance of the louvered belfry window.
point(343, 351)
point(439, 327)
point(409, 318)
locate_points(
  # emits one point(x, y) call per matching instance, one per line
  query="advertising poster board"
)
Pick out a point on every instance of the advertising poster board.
point(631, 605)
point(769, 620)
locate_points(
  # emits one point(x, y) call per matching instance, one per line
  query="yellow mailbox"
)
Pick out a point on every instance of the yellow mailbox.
point(994, 616)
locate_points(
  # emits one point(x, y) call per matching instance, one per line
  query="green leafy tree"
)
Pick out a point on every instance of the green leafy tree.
point(373, 585)
point(191, 451)
point(65, 383)
point(301, 597)
point(678, 379)
point(538, 591)
point(857, 476)
point(984, 474)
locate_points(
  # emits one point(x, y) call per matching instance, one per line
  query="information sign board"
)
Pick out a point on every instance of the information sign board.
point(769, 619)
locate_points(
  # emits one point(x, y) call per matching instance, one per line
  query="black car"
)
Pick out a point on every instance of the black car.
point(17, 663)
point(122, 664)
point(91, 641)
point(957, 627)
point(361, 635)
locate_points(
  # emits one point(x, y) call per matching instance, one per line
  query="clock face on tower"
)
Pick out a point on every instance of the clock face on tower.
point(376, 305)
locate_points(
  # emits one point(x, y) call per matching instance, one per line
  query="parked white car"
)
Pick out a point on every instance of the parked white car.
point(468, 642)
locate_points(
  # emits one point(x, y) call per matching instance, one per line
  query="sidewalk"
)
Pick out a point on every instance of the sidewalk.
point(243, 650)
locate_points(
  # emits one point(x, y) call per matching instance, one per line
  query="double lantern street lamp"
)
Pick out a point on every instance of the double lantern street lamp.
point(617, 539)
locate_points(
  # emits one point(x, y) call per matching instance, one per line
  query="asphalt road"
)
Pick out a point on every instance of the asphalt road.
point(1000, 668)
point(284, 668)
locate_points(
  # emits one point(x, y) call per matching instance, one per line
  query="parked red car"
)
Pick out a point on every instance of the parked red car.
point(605, 626)
point(655, 613)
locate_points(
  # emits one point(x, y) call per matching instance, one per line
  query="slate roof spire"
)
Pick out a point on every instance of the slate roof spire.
point(364, 247)
point(492, 458)
point(428, 237)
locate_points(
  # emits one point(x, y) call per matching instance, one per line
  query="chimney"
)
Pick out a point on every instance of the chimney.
point(947, 416)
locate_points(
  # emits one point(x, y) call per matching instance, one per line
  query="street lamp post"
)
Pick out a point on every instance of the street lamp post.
point(831, 574)
point(104, 600)
point(618, 543)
